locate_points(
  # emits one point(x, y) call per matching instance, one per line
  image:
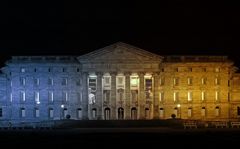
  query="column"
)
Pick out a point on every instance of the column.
point(141, 109)
point(85, 96)
point(99, 96)
point(156, 96)
point(127, 93)
point(113, 96)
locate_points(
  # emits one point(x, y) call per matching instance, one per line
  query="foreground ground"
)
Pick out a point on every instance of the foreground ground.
point(121, 138)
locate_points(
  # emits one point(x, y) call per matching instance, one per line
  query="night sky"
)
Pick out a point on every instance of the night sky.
point(166, 28)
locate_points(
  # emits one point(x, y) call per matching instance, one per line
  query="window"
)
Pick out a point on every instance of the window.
point(11, 97)
point(161, 113)
point(36, 81)
point(190, 94)
point(203, 95)
point(22, 69)
point(161, 96)
point(175, 96)
point(79, 113)
point(65, 96)
point(92, 84)
point(204, 69)
point(36, 97)
point(35, 69)
point(64, 70)
point(203, 112)
point(217, 95)
point(161, 81)
point(204, 81)
point(189, 112)
point(217, 111)
point(22, 81)
point(162, 70)
point(176, 69)
point(238, 111)
point(64, 81)
point(228, 83)
point(175, 81)
point(1, 112)
point(49, 69)
point(106, 96)
point(50, 112)
point(78, 82)
point(50, 81)
point(217, 69)
point(134, 113)
point(50, 96)
point(94, 113)
point(120, 80)
point(23, 112)
point(189, 81)
point(189, 69)
point(22, 96)
point(217, 81)
point(147, 113)
point(134, 81)
point(107, 80)
point(37, 113)
point(65, 113)
point(78, 69)
point(175, 111)
point(228, 96)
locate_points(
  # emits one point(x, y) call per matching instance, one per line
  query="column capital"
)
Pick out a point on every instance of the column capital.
point(99, 73)
point(155, 74)
point(113, 73)
point(127, 73)
point(141, 73)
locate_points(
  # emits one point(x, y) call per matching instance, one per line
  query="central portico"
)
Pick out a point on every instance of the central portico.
point(120, 82)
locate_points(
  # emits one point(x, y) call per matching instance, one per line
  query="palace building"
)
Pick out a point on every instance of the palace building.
point(119, 82)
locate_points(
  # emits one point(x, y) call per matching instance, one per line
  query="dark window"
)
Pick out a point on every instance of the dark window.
point(1, 113)
point(35, 69)
point(77, 69)
point(238, 111)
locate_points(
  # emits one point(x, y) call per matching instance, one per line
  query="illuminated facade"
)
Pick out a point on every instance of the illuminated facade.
point(118, 82)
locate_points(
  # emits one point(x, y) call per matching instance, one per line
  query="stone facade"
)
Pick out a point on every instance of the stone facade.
point(119, 82)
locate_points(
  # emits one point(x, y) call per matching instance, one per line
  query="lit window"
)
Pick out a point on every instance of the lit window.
point(217, 95)
point(217, 81)
point(134, 81)
point(203, 95)
point(51, 113)
point(217, 69)
point(189, 96)
point(175, 96)
point(36, 96)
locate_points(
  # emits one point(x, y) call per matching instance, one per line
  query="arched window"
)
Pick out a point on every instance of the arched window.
point(161, 114)
point(23, 112)
point(175, 111)
point(189, 112)
point(134, 113)
point(120, 113)
point(147, 113)
point(79, 113)
point(107, 114)
point(65, 112)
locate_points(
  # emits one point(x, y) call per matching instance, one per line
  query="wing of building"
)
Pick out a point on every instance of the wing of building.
point(118, 82)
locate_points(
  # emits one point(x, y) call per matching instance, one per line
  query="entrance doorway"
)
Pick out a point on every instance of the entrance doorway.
point(107, 114)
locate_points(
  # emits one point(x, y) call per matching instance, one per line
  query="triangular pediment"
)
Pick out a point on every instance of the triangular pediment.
point(120, 53)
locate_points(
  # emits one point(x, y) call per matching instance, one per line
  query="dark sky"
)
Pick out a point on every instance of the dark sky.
point(179, 27)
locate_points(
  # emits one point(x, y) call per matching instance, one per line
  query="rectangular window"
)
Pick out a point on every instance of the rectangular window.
point(36, 97)
point(189, 112)
point(36, 81)
point(50, 96)
point(161, 81)
point(189, 81)
point(1, 112)
point(51, 113)
point(50, 81)
point(203, 96)
point(203, 112)
point(175, 81)
point(92, 84)
point(22, 81)
point(161, 97)
point(22, 96)
point(64, 81)
point(217, 111)
point(217, 81)
point(65, 96)
point(217, 95)
point(37, 113)
point(79, 113)
point(175, 96)
point(23, 112)
point(120, 80)
point(106, 96)
point(204, 81)
point(107, 81)
point(190, 94)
